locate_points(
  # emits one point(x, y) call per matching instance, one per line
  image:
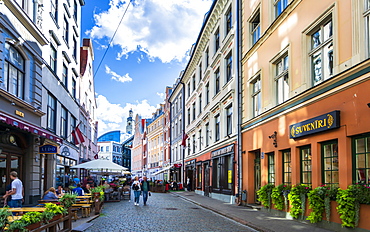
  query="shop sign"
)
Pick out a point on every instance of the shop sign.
point(48, 149)
point(223, 151)
point(229, 176)
point(191, 162)
point(314, 125)
point(177, 165)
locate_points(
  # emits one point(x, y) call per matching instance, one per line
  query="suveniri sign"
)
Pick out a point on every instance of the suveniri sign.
point(314, 125)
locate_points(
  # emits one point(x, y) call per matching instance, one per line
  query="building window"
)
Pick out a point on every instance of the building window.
point(65, 75)
point(200, 72)
point(217, 81)
point(229, 120)
point(53, 58)
point(255, 28)
point(287, 169)
point(271, 168)
point(107, 148)
point(256, 96)
point(207, 57)
point(222, 174)
point(51, 112)
point(207, 93)
point(75, 10)
point(73, 126)
point(228, 21)
point(330, 163)
point(200, 140)
point(217, 39)
point(366, 14)
point(306, 165)
point(217, 127)
point(200, 103)
point(54, 9)
point(280, 5)
point(321, 53)
point(207, 134)
point(64, 123)
point(229, 67)
point(193, 80)
point(74, 48)
point(14, 72)
point(189, 116)
point(65, 30)
point(74, 88)
point(189, 89)
point(194, 144)
point(282, 80)
point(361, 159)
point(194, 111)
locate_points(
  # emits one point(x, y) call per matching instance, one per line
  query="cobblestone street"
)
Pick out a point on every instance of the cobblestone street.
point(163, 212)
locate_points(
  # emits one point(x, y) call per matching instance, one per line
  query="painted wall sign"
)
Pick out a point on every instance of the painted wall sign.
point(48, 149)
point(314, 125)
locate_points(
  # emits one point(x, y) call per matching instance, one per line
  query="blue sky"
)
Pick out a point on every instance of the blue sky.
point(147, 53)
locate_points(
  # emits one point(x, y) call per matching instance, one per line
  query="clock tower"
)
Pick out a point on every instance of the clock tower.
point(129, 122)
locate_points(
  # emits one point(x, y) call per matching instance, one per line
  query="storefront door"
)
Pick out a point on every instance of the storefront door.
point(207, 182)
point(257, 174)
point(9, 162)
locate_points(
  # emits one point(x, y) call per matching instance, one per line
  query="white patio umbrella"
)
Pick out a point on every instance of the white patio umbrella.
point(103, 166)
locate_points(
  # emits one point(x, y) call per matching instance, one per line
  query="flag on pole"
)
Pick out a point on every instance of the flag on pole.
point(184, 138)
point(96, 156)
point(77, 135)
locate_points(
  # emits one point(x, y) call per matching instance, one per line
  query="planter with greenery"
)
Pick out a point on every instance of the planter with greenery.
point(68, 199)
point(349, 201)
point(264, 195)
point(297, 198)
point(279, 196)
point(17, 225)
point(32, 220)
point(4, 214)
point(319, 201)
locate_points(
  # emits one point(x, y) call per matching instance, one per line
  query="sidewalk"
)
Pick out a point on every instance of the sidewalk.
point(257, 219)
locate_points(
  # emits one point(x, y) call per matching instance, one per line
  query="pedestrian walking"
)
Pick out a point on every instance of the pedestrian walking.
point(16, 192)
point(136, 186)
point(145, 188)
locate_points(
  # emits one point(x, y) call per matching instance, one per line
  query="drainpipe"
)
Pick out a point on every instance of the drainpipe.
point(239, 93)
point(170, 150)
point(183, 129)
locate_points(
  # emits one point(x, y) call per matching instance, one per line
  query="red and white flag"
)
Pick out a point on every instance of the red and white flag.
point(184, 138)
point(77, 135)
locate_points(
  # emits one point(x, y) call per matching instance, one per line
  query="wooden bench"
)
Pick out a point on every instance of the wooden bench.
point(85, 208)
point(82, 227)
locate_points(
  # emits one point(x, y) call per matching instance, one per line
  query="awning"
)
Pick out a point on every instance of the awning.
point(163, 170)
point(28, 127)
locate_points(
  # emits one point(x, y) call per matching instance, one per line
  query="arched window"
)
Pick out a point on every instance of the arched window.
point(14, 71)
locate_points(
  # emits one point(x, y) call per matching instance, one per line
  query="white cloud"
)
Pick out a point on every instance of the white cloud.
point(114, 116)
point(116, 77)
point(161, 95)
point(163, 29)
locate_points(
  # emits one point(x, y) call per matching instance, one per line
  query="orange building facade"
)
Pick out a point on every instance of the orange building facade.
point(306, 107)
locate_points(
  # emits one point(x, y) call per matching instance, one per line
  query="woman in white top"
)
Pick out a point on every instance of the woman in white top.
point(136, 186)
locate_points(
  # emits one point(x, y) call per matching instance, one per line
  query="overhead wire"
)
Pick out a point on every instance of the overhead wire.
point(110, 43)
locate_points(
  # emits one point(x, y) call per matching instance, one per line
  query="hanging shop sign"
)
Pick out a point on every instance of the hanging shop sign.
point(314, 125)
point(222, 151)
point(48, 149)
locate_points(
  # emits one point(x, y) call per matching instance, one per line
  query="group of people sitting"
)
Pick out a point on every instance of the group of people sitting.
point(53, 193)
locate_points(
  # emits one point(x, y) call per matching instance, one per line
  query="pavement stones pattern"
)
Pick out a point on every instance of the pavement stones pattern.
point(163, 212)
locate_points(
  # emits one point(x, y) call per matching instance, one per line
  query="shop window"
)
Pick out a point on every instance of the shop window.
point(217, 127)
point(361, 159)
point(271, 168)
point(280, 5)
point(14, 72)
point(287, 170)
point(222, 177)
point(64, 123)
point(322, 54)
point(199, 176)
point(282, 79)
point(306, 165)
point(329, 154)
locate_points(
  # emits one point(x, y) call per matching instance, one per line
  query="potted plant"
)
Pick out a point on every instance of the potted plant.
point(4, 214)
point(68, 199)
point(32, 220)
point(54, 212)
point(17, 225)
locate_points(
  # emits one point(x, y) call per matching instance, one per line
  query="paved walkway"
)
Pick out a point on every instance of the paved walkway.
point(257, 219)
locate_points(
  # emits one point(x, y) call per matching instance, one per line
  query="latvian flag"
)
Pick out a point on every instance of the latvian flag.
point(77, 136)
point(184, 138)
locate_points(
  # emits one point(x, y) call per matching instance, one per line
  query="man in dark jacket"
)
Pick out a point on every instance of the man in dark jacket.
point(145, 188)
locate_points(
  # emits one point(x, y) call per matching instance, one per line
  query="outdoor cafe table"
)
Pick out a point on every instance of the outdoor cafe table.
point(27, 209)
